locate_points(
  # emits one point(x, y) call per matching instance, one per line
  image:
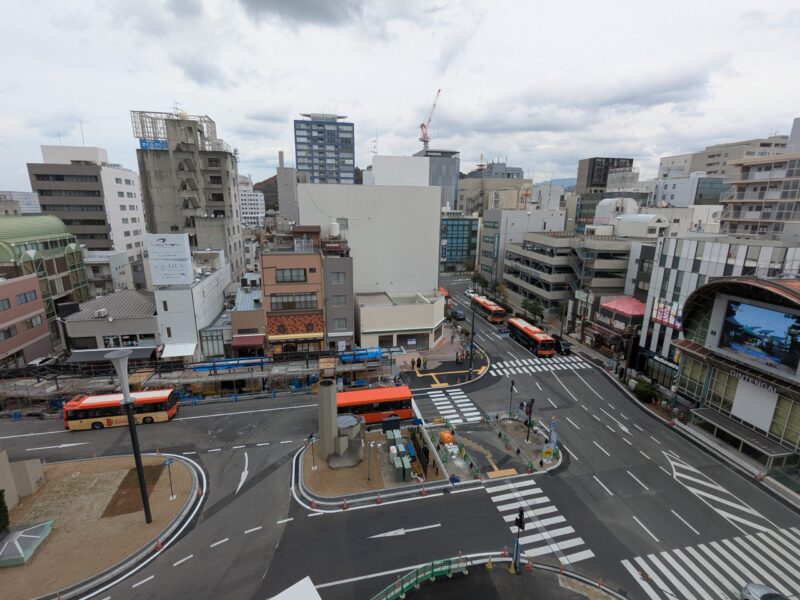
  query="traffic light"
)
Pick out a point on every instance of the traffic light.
point(520, 522)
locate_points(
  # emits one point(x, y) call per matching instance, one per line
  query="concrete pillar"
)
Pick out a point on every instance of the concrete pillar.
point(326, 411)
point(7, 481)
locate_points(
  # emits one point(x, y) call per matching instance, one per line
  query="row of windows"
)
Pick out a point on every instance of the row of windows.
point(71, 193)
point(72, 208)
point(129, 194)
point(118, 180)
point(26, 297)
point(293, 301)
point(48, 177)
point(132, 207)
point(290, 275)
point(98, 222)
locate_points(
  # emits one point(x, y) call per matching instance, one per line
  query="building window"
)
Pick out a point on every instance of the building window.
point(4, 304)
point(339, 324)
point(169, 332)
point(120, 194)
point(290, 275)
point(26, 297)
point(128, 182)
point(293, 301)
point(8, 332)
point(340, 300)
point(123, 207)
point(337, 277)
point(118, 180)
point(111, 341)
point(309, 327)
point(164, 305)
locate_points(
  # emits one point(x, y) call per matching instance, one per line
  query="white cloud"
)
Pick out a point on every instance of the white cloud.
point(541, 84)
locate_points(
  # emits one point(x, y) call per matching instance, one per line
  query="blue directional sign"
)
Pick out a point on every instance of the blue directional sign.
point(169, 461)
point(152, 144)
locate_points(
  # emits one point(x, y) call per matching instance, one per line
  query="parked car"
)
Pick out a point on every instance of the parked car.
point(44, 360)
point(457, 314)
point(562, 346)
point(470, 293)
point(758, 591)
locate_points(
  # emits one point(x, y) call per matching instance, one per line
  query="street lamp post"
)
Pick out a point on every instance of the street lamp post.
point(119, 359)
point(510, 397)
point(471, 344)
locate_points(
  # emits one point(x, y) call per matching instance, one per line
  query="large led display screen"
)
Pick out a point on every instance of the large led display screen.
point(768, 337)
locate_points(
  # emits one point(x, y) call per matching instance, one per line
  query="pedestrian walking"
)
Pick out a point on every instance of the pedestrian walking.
point(451, 338)
point(419, 362)
point(425, 363)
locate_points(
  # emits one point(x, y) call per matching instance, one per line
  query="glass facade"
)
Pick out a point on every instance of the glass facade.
point(324, 148)
point(459, 242)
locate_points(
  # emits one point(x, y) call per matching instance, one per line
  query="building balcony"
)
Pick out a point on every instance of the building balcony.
point(761, 176)
point(544, 255)
point(510, 265)
point(534, 289)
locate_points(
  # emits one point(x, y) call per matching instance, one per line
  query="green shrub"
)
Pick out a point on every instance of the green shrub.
point(645, 392)
point(3, 512)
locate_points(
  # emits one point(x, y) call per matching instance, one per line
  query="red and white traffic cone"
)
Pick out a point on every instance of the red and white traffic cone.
point(528, 566)
point(158, 545)
point(345, 505)
point(199, 492)
point(378, 499)
point(314, 504)
point(504, 554)
point(424, 492)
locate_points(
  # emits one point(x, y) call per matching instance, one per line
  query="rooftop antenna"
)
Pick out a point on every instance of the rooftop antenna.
point(83, 139)
point(375, 142)
point(176, 106)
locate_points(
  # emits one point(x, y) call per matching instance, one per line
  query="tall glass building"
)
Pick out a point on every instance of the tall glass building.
point(459, 241)
point(324, 148)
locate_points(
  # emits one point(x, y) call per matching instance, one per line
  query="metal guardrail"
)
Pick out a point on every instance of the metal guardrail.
point(428, 572)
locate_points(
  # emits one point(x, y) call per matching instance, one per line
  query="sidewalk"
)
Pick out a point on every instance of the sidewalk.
point(439, 367)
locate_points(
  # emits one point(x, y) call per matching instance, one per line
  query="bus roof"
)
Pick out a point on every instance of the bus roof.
point(372, 396)
point(524, 326)
point(111, 399)
point(487, 304)
point(542, 337)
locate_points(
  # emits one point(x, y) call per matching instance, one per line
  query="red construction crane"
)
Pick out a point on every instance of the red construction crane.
point(423, 127)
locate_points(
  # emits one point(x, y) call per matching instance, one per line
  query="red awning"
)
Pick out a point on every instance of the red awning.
point(255, 340)
point(625, 305)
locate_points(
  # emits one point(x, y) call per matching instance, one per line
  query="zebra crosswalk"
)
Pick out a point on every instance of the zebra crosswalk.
point(451, 404)
point(533, 365)
point(739, 514)
point(722, 568)
point(546, 531)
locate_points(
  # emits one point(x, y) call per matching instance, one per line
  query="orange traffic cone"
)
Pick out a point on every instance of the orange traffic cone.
point(158, 545)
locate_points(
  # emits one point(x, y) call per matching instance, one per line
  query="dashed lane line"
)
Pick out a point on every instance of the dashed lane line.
point(650, 533)
point(571, 453)
point(601, 448)
point(251, 530)
point(575, 425)
point(214, 450)
point(684, 521)
point(637, 480)
point(218, 543)
point(655, 440)
point(243, 412)
point(145, 580)
point(285, 520)
point(627, 441)
point(183, 560)
point(602, 485)
point(643, 454)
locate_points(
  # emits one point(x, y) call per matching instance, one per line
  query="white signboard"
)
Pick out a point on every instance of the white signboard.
point(170, 258)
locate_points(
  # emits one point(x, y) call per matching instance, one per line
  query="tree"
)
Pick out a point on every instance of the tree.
point(645, 391)
point(3, 512)
point(501, 292)
point(479, 281)
point(534, 307)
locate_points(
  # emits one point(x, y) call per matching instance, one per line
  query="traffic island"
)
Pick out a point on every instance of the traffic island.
point(97, 521)
point(377, 472)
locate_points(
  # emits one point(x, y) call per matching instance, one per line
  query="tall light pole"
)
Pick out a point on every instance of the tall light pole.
point(119, 359)
point(471, 343)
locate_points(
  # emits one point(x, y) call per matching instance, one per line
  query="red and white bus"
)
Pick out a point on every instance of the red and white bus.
point(98, 412)
point(531, 337)
point(488, 309)
point(376, 404)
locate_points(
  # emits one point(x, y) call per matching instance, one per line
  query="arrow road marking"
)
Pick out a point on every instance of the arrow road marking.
point(56, 447)
point(244, 474)
point(617, 421)
point(396, 532)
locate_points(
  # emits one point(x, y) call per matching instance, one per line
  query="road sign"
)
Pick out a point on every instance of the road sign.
point(169, 461)
point(547, 452)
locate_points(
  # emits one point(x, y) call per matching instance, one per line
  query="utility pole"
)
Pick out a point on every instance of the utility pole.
point(515, 561)
point(529, 413)
point(471, 344)
point(510, 397)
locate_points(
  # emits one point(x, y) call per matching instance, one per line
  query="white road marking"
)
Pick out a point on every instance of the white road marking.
point(21, 435)
point(538, 386)
point(516, 494)
point(219, 542)
point(684, 521)
point(584, 407)
point(637, 577)
point(510, 486)
point(552, 403)
point(215, 450)
point(243, 412)
point(610, 493)
point(565, 387)
point(286, 442)
point(601, 448)
point(576, 557)
point(188, 453)
point(251, 530)
point(587, 384)
point(263, 444)
point(626, 440)
point(623, 416)
point(617, 421)
point(244, 474)
point(611, 429)
point(643, 454)
point(183, 560)
point(655, 440)
point(571, 422)
point(402, 531)
point(637, 427)
point(56, 447)
point(636, 479)
point(596, 418)
point(665, 471)
point(650, 533)
point(135, 585)
point(237, 447)
point(571, 453)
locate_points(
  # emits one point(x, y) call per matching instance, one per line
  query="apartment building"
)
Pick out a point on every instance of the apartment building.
point(99, 202)
point(458, 241)
point(495, 170)
point(43, 246)
point(251, 203)
point(24, 332)
point(189, 182)
point(714, 160)
point(593, 173)
point(28, 201)
point(324, 148)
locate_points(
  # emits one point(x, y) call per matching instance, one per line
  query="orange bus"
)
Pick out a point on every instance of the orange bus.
point(376, 404)
point(97, 412)
point(531, 337)
point(488, 309)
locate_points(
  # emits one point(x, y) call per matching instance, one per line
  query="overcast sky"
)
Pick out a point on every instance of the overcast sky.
point(541, 83)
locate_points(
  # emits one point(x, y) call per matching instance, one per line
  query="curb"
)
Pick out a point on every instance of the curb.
point(706, 447)
point(140, 558)
point(458, 385)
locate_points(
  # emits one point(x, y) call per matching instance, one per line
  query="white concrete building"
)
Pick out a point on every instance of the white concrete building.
point(28, 201)
point(251, 203)
point(183, 310)
point(413, 321)
point(714, 159)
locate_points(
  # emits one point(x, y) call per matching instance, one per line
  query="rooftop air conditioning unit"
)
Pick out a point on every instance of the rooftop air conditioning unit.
point(101, 313)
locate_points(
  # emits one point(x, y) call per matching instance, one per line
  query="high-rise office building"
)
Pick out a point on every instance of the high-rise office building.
point(252, 203)
point(324, 148)
point(189, 182)
point(99, 202)
point(593, 173)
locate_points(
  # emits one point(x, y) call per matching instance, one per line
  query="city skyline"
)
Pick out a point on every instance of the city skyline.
point(542, 90)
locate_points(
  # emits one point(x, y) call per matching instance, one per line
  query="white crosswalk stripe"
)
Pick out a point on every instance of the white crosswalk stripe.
point(546, 532)
point(719, 569)
point(529, 366)
point(453, 405)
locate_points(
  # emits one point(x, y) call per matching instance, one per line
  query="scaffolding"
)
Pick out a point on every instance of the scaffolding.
point(153, 126)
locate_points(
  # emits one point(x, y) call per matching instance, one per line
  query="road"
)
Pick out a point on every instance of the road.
point(634, 504)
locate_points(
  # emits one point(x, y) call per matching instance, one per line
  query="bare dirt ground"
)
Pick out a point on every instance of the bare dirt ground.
point(83, 541)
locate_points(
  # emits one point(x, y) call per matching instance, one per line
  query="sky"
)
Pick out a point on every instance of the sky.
point(539, 84)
